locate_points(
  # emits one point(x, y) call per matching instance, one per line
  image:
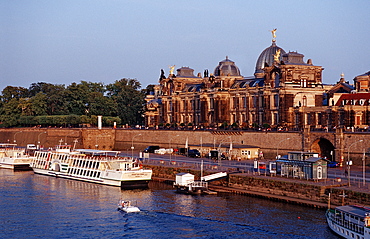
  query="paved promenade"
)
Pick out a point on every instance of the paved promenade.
point(337, 179)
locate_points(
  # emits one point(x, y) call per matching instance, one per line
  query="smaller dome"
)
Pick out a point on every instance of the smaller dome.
point(226, 68)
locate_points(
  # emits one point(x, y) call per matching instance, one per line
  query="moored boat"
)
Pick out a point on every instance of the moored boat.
point(12, 157)
point(96, 166)
point(127, 206)
point(350, 221)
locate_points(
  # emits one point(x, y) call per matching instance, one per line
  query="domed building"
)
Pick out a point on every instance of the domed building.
point(226, 68)
point(284, 91)
point(266, 58)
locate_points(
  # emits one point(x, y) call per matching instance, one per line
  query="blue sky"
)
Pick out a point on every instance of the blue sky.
point(67, 41)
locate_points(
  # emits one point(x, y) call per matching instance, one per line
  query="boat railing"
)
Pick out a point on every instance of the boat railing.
point(199, 184)
point(337, 219)
point(102, 158)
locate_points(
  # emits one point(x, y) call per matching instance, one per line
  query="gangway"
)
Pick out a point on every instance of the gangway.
point(214, 176)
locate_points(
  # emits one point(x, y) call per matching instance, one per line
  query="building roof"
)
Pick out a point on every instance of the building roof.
point(266, 58)
point(354, 210)
point(293, 58)
point(353, 99)
point(314, 159)
point(193, 87)
point(186, 72)
point(226, 68)
point(245, 83)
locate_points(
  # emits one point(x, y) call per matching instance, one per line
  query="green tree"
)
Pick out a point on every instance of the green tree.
point(10, 113)
point(25, 105)
point(98, 104)
point(39, 104)
point(11, 92)
point(55, 97)
point(75, 97)
point(129, 100)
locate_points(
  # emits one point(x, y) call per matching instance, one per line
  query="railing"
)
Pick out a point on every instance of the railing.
point(346, 224)
point(198, 184)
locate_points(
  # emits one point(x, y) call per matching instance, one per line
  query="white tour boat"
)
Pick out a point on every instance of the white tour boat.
point(96, 166)
point(126, 206)
point(350, 221)
point(12, 157)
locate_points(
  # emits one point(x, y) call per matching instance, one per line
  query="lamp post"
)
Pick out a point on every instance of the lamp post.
point(132, 145)
point(15, 135)
point(75, 142)
point(349, 162)
point(218, 150)
point(363, 169)
point(277, 148)
point(38, 139)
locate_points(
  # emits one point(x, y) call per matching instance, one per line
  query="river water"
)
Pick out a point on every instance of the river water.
point(36, 206)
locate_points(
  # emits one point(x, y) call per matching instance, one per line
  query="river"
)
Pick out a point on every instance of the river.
point(36, 206)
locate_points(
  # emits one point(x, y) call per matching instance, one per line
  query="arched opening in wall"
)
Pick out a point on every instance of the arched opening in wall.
point(324, 147)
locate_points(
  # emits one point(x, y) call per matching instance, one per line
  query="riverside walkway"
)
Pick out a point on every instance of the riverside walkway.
point(337, 179)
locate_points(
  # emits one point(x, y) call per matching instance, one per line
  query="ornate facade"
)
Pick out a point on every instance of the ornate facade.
point(285, 91)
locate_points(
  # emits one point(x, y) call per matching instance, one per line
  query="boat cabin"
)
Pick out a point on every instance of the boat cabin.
point(184, 179)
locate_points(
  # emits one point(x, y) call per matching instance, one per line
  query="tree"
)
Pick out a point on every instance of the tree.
point(75, 97)
point(39, 104)
point(98, 104)
point(10, 113)
point(11, 92)
point(129, 100)
point(55, 98)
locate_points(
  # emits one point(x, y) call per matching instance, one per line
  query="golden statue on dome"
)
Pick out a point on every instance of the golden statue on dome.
point(172, 69)
point(273, 34)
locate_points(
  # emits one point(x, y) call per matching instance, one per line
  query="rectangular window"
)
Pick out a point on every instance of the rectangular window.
point(276, 100)
point(254, 101)
point(246, 152)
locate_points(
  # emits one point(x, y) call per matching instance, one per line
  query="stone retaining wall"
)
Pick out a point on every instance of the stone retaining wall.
point(278, 188)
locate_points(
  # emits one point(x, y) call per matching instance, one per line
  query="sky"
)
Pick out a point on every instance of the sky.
point(66, 41)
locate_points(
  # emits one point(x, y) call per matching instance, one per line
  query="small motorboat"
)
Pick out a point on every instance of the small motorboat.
point(126, 206)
